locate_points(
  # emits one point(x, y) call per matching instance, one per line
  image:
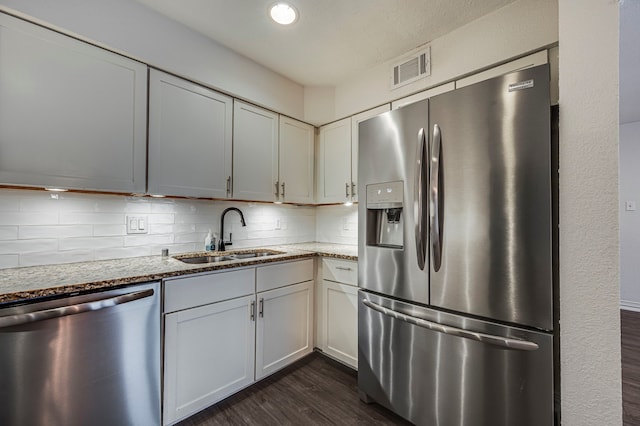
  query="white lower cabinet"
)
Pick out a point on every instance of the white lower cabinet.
point(338, 316)
point(284, 328)
point(209, 353)
point(220, 335)
point(341, 321)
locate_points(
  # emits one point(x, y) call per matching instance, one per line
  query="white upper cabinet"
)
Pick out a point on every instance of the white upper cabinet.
point(71, 115)
point(355, 126)
point(337, 180)
point(190, 138)
point(255, 153)
point(535, 59)
point(425, 94)
point(334, 162)
point(296, 161)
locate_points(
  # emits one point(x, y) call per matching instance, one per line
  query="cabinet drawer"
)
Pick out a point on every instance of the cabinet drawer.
point(183, 293)
point(274, 276)
point(340, 271)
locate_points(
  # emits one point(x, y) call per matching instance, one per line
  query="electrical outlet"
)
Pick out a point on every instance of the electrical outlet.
point(137, 225)
point(345, 224)
point(630, 206)
point(278, 224)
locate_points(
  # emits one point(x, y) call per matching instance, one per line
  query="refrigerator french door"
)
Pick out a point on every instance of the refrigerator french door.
point(455, 313)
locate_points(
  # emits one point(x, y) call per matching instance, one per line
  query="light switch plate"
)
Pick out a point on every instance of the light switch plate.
point(137, 225)
point(630, 206)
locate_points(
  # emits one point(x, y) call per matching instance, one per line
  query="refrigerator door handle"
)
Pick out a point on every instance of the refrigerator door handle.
point(418, 199)
point(490, 339)
point(435, 198)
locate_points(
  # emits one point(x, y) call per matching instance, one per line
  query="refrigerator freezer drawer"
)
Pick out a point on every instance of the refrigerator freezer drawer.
point(436, 368)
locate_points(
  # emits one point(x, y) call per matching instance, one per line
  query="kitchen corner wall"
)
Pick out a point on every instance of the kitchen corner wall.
point(36, 228)
point(629, 219)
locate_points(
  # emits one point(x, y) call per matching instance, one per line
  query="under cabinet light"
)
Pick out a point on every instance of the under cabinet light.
point(56, 189)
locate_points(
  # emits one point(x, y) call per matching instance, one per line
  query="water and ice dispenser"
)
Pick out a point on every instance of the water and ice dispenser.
point(384, 223)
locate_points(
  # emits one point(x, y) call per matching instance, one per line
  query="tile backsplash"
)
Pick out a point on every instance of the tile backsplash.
point(337, 224)
point(38, 228)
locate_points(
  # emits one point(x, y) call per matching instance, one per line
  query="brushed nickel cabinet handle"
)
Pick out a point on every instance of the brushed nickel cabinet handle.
point(282, 185)
point(277, 193)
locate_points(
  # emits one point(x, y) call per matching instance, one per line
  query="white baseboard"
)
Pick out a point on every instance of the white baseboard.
point(630, 305)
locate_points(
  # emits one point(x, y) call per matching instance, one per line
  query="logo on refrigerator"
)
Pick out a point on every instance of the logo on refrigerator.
point(528, 84)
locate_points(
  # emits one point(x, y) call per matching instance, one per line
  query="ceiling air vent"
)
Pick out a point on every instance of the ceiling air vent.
point(411, 67)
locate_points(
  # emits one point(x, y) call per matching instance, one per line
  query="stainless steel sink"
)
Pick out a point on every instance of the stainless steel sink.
point(231, 256)
point(251, 255)
point(206, 259)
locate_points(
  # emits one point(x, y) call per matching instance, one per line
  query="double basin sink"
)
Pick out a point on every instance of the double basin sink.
point(222, 256)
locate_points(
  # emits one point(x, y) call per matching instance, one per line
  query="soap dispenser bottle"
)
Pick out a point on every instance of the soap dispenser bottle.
point(208, 242)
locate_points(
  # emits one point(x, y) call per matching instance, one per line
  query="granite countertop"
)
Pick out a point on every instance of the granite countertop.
point(20, 284)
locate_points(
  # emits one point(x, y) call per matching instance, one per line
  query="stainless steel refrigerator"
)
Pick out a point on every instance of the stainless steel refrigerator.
point(455, 309)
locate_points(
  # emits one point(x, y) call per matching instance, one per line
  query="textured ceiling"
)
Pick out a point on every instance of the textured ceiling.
point(333, 40)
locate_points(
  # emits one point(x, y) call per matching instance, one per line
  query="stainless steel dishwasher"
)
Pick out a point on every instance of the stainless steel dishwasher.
point(90, 359)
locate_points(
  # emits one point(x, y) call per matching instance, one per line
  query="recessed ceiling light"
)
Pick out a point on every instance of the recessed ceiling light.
point(283, 13)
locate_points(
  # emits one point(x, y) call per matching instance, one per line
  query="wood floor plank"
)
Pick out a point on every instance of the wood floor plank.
point(314, 391)
point(630, 336)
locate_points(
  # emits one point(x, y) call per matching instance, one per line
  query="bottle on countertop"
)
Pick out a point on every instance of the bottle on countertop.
point(208, 242)
point(215, 241)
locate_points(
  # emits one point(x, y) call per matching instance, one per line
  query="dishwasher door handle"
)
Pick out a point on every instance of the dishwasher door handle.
point(95, 305)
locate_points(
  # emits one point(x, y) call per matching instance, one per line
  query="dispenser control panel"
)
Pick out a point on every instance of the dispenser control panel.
point(385, 195)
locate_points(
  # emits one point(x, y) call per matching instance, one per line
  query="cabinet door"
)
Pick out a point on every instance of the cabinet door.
point(190, 138)
point(425, 94)
point(355, 123)
point(284, 327)
point(296, 161)
point(255, 153)
point(535, 59)
point(334, 162)
point(208, 355)
point(340, 317)
point(71, 115)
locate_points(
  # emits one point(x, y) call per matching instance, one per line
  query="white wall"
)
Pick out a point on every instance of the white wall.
point(630, 220)
point(36, 229)
point(589, 278)
point(131, 28)
point(512, 31)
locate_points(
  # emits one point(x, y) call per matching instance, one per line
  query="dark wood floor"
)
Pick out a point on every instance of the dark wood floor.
point(320, 391)
point(314, 391)
point(630, 328)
